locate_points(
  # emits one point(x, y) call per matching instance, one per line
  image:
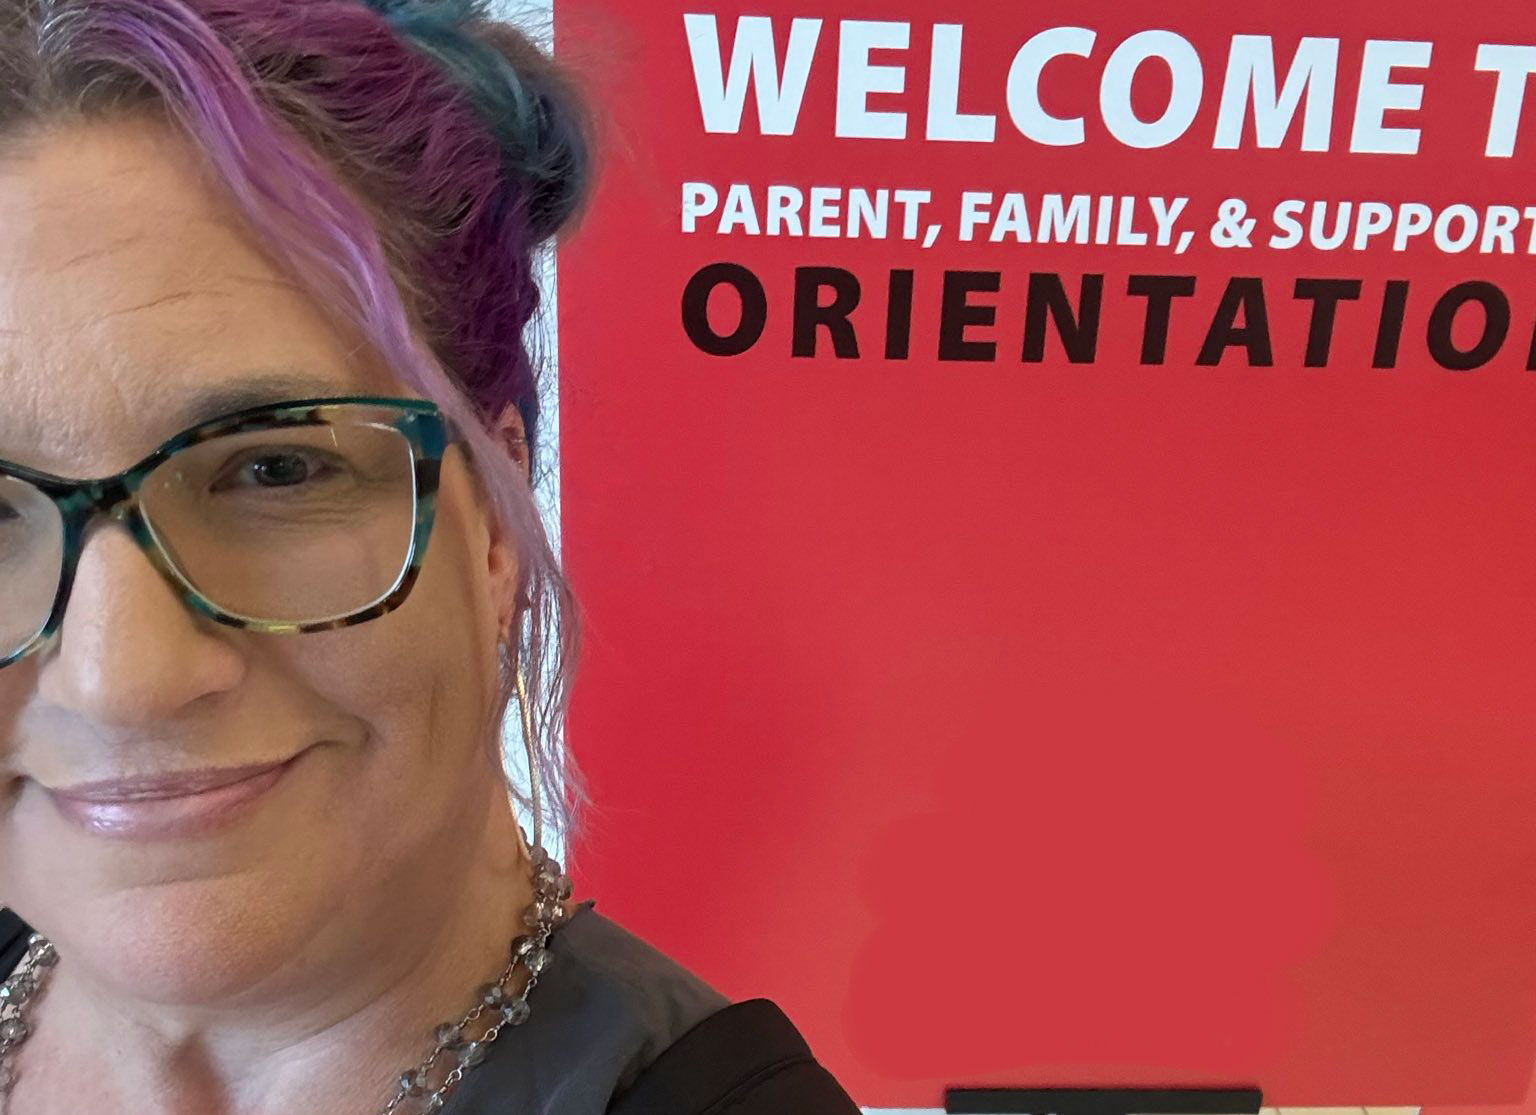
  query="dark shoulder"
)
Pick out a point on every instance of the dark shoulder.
point(629, 993)
point(746, 1059)
point(13, 940)
point(681, 1046)
point(605, 1008)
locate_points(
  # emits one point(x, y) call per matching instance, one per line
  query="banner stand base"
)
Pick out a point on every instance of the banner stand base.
point(1103, 1101)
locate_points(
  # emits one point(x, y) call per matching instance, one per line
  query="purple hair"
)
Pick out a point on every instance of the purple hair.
point(404, 162)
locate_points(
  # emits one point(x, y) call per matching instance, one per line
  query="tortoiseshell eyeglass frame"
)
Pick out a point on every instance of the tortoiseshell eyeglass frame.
point(427, 430)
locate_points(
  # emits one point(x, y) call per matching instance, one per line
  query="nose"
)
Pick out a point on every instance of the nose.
point(130, 653)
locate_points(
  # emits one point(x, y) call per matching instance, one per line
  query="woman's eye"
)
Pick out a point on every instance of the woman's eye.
point(273, 469)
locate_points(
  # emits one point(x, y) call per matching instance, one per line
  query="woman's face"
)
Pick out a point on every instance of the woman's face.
point(128, 292)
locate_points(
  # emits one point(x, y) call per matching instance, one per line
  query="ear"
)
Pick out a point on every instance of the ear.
point(515, 438)
point(502, 553)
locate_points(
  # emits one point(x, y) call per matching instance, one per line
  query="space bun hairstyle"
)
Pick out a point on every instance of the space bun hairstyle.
point(405, 161)
point(525, 102)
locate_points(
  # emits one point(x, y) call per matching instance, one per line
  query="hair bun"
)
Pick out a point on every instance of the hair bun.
point(533, 113)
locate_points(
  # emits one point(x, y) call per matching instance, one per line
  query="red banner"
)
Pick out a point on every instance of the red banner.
point(1053, 493)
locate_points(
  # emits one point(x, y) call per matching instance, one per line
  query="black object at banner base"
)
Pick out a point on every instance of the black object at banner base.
point(1103, 1101)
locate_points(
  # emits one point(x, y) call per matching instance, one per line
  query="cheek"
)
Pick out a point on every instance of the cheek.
point(417, 695)
point(421, 680)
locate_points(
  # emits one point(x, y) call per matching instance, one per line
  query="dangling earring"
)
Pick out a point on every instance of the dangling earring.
point(550, 884)
point(533, 760)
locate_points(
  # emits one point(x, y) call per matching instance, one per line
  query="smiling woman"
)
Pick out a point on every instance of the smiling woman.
point(271, 576)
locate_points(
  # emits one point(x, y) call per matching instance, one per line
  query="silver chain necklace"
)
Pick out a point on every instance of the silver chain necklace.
point(457, 1047)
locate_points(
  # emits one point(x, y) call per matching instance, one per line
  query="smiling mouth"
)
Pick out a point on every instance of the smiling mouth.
point(169, 805)
point(149, 787)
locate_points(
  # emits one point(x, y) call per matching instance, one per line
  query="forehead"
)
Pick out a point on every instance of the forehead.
point(133, 301)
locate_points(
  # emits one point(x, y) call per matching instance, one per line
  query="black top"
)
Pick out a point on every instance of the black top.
point(13, 940)
point(618, 1028)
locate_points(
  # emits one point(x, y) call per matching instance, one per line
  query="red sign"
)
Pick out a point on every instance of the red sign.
point(1053, 494)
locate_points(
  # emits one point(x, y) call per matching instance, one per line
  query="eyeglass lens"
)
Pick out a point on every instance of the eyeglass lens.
point(296, 524)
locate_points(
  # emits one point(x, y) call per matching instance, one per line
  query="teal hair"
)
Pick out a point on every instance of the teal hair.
point(522, 118)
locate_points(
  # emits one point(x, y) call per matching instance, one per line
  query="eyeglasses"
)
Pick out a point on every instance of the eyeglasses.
point(306, 515)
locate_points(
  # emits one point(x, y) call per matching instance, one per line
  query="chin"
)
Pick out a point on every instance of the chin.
point(222, 941)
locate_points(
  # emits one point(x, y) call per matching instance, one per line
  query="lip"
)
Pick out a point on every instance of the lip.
point(167, 806)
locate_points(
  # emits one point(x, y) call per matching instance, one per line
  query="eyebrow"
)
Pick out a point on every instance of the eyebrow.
point(256, 389)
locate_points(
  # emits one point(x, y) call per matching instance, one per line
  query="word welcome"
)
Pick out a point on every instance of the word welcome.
point(1250, 83)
